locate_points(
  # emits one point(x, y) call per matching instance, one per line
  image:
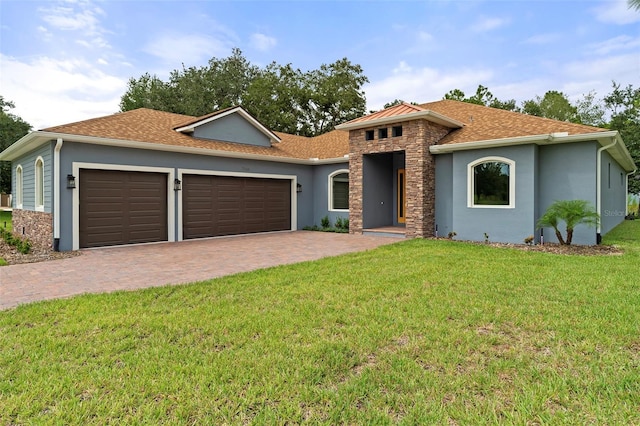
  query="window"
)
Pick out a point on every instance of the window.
point(396, 131)
point(368, 135)
point(40, 184)
point(339, 190)
point(383, 133)
point(19, 186)
point(491, 183)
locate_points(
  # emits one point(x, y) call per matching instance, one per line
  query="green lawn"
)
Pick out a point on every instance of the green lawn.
point(419, 332)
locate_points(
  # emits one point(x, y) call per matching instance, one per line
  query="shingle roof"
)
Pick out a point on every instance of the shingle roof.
point(480, 123)
point(147, 125)
point(483, 123)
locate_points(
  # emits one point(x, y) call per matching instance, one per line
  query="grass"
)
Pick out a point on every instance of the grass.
point(419, 332)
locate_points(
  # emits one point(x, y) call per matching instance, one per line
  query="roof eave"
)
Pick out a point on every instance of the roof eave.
point(427, 115)
point(618, 151)
point(25, 145)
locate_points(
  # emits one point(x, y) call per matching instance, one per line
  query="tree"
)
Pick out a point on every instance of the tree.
point(482, 97)
point(554, 105)
point(624, 104)
point(281, 97)
point(590, 110)
point(634, 4)
point(12, 128)
point(333, 95)
point(572, 213)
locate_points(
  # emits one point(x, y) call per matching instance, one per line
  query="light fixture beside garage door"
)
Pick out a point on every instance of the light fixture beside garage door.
point(71, 181)
point(177, 184)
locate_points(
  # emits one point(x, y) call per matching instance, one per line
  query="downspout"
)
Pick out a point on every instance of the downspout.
point(599, 189)
point(626, 192)
point(56, 195)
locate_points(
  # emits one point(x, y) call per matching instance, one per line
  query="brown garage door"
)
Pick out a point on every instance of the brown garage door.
point(119, 207)
point(223, 205)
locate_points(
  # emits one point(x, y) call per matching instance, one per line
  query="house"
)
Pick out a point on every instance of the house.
point(149, 176)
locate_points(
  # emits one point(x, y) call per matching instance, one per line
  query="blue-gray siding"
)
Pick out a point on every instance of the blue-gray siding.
point(232, 128)
point(444, 194)
point(28, 163)
point(318, 193)
point(613, 193)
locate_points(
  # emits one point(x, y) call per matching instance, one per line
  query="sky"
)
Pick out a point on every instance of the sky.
point(66, 61)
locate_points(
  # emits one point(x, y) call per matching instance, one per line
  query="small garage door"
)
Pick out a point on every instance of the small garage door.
point(223, 205)
point(118, 207)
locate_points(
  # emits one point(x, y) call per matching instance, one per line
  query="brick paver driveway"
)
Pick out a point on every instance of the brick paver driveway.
point(134, 267)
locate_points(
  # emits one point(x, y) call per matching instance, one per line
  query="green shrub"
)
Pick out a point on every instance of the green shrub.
point(324, 222)
point(572, 213)
point(22, 245)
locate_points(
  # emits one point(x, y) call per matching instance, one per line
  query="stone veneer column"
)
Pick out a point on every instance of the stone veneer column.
point(417, 136)
point(38, 227)
point(355, 192)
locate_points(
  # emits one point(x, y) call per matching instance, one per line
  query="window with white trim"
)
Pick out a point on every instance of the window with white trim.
point(491, 183)
point(19, 186)
point(39, 174)
point(339, 190)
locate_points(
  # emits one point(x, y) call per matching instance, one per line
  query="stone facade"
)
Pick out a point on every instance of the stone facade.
point(417, 136)
point(36, 226)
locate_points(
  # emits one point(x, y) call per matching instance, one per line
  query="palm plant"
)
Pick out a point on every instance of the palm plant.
point(572, 213)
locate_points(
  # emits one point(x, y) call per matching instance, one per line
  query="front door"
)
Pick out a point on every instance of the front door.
point(401, 197)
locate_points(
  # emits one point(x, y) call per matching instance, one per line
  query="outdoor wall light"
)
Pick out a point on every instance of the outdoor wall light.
point(71, 181)
point(177, 185)
point(298, 187)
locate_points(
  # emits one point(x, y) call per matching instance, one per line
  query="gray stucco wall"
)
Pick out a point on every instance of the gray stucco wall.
point(319, 192)
point(232, 128)
point(28, 162)
point(444, 194)
point(510, 225)
point(613, 194)
point(135, 157)
point(377, 190)
point(568, 172)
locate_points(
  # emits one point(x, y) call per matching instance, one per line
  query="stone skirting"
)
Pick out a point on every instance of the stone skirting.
point(417, 136)
point(35, 226)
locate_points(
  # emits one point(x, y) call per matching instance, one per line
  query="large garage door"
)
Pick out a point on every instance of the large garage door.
point(223, 205)
point(119, 207)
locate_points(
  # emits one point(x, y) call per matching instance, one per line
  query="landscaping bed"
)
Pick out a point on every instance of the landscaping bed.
point(12, 256)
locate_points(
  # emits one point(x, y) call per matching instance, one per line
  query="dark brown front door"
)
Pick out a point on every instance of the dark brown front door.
point(225, 205)
point(118, 207)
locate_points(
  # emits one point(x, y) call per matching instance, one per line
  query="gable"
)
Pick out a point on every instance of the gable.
point(232, 128)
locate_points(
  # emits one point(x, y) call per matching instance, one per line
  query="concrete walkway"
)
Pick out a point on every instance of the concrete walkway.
point(149, 265)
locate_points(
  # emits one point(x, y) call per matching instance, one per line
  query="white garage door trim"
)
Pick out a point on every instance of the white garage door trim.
point(76, 166)
point(292, 178)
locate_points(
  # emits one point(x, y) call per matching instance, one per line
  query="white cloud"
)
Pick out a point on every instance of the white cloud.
point(616, 12)
point(82, 18)
point(49, 92)
point(485, 24)
point(623, 42)
point(188, 49)
point(263, 42)
point(422, 85)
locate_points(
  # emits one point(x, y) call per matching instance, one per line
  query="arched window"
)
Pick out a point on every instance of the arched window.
point(491, 183)
point(339, 190)
point(39, 184)
point(18, 194)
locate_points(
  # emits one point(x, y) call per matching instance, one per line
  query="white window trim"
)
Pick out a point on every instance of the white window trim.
point(330, 190)
point(19, 186)
point(38, 184)
point(512, 182)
